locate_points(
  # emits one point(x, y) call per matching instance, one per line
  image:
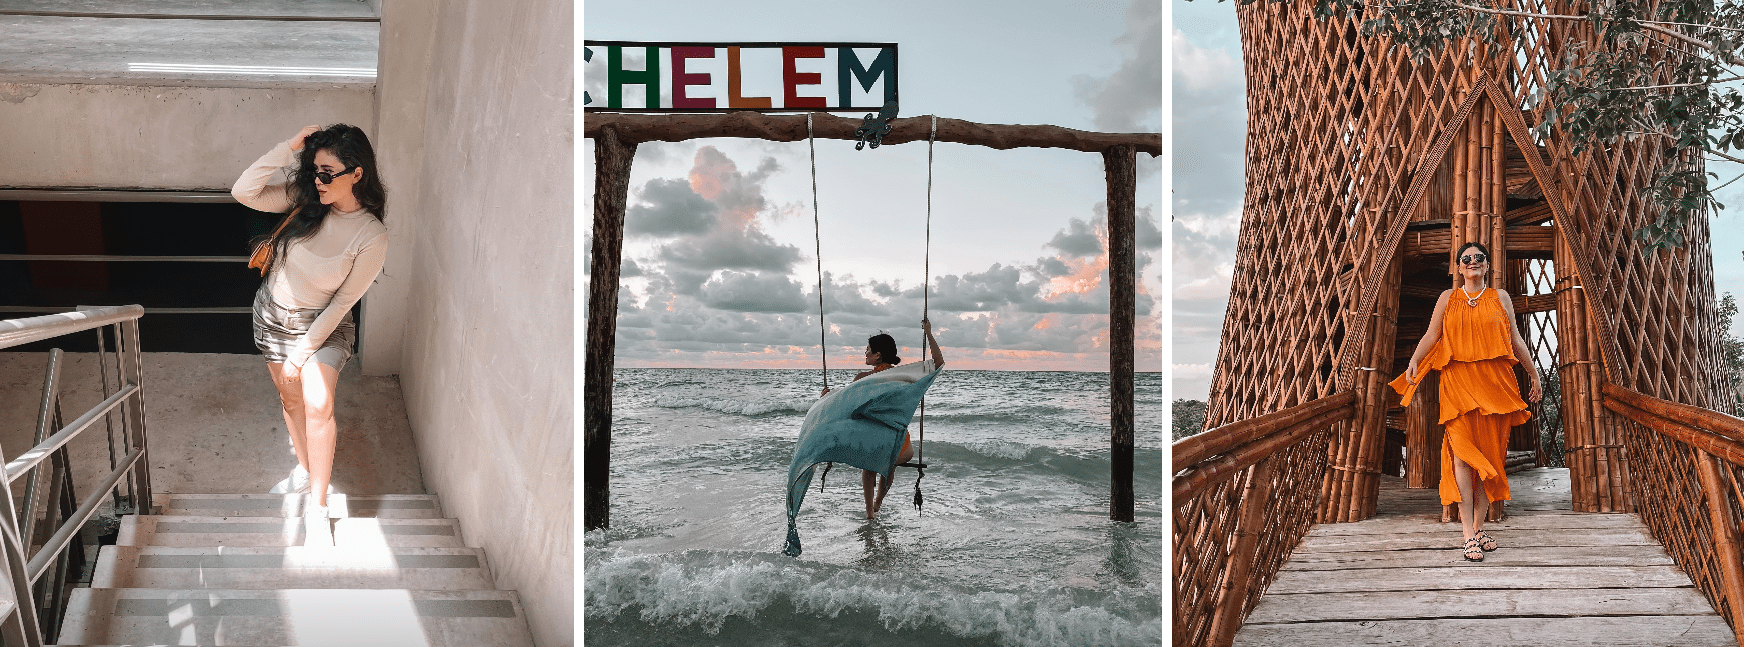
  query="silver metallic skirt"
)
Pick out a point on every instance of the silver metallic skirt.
point(277, 329)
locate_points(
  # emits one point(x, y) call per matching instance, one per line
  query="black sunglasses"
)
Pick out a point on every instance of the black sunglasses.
point(324, 177)
point(1472, 258)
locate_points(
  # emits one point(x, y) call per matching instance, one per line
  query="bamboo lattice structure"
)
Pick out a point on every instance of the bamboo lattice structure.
point(1365, 173)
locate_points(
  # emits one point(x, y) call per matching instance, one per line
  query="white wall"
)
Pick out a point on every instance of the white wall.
point(145, 137)
point(477, 142)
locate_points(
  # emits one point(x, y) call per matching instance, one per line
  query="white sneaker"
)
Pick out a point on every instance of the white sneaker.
point(317, 528)
point(296, 483)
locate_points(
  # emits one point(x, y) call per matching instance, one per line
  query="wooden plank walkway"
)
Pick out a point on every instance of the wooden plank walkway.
point(1557, 578)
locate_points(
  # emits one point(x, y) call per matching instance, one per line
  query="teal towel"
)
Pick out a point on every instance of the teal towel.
point(861, 424)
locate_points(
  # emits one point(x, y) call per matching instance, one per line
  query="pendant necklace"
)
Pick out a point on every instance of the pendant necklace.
point(1471, 300)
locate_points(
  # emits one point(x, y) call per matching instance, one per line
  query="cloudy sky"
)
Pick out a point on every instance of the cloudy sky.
point(1208, 121)
point(719, 261)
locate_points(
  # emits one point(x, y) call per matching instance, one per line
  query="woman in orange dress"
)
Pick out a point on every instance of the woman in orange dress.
point(1472, 339)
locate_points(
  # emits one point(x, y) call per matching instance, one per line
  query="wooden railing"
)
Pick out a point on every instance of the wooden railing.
point(1231, 483)
point(1685, 466)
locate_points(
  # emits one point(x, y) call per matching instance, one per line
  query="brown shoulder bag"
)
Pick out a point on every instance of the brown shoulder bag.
point(262, 258)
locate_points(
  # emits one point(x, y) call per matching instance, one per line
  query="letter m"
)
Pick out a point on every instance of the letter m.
point(849, 70)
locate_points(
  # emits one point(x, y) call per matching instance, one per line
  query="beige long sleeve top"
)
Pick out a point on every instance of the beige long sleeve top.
point(330, 269)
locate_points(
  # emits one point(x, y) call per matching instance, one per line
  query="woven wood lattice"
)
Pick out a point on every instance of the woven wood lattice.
point(1206, 540)
point(1365, 172)
point(1673, 504)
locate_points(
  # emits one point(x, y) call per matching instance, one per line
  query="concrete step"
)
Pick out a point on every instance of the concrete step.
point(165, 567)
point(191, 531)
point(327, 617)
point(382, 506)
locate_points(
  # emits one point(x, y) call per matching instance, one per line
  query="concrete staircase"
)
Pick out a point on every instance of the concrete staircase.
point(233, 569)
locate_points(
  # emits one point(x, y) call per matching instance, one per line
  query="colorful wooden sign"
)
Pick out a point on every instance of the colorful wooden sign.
point(625, 76)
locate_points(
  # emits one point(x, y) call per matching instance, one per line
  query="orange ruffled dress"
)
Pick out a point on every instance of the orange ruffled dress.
point(1480, 398)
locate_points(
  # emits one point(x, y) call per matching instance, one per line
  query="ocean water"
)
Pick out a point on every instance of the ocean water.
point(1012, 545)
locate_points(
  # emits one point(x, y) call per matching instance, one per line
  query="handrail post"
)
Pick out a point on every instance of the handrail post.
point(108, 418)
point(23, 595)
point(1233, 592)
point(45, 418)
point(1726, 540)
point(127, 345)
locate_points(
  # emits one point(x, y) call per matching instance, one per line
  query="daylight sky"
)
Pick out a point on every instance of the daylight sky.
point(719, 262)
point(1208, 123)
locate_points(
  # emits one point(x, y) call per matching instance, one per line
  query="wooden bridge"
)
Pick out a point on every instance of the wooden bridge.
point(1558, 577)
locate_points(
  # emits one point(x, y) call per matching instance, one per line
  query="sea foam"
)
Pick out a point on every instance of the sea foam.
point(703, 589)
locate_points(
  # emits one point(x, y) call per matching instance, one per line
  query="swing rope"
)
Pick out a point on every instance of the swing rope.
point(818, 245)
point(926, 280)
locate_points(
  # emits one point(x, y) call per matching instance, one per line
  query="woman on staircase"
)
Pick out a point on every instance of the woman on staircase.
point(1472, 339)
point(317, 264)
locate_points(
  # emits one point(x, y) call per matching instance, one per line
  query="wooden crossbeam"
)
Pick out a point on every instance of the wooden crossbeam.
point(1532, 214)
point(1535, 303)
point(1523, 241)
point(792, 128)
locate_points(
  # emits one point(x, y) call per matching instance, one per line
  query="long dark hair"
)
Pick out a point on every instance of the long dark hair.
point(885, 346)
point(352, 147)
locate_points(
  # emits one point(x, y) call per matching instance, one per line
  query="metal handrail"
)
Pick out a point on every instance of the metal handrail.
point(17, 332)
point(116, 258)
point(28, 460)
point(21, 624)
point(45, 557)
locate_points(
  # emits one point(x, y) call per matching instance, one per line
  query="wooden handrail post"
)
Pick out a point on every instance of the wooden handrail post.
point(1726, 539)
point(612, 159)
point(1233, 592)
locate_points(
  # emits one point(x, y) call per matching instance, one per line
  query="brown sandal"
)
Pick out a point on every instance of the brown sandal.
point(1473, 550)
point(1485, 542)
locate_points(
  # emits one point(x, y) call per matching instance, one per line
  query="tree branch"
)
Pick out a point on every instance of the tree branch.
point(1671, 136)
point(1725, 56)
point(1680, 85)
point(1689, 24)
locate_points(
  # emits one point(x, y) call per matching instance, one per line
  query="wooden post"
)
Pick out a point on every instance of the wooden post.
point(1233, 592)
point(1424, 435)
point(1118, 167)
point(1352, 480)
point(1457, 208)
point(1499, 204)
point(1374, 392)
point(612, 159)
point(1572, 377)
point(1725, 536)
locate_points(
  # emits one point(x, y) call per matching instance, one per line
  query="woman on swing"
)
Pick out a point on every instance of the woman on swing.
point(1472, 339)
point(881, 354)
